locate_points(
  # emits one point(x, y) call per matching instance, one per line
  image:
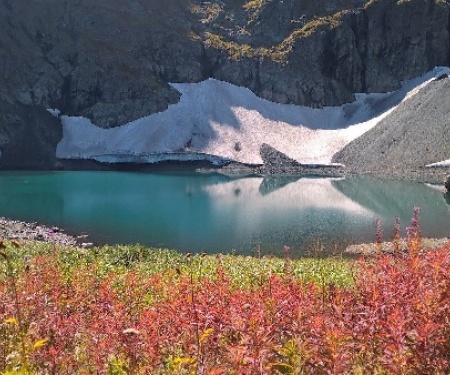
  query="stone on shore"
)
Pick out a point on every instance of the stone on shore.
point(22, 231)
point(368, 249)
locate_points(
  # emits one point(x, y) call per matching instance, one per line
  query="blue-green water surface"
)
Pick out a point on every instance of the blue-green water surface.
point(214, 213)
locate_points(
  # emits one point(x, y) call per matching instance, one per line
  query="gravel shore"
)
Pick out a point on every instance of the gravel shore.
point(388, 247)
point(22, 231)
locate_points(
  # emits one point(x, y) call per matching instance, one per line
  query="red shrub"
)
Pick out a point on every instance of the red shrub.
point(395, 320)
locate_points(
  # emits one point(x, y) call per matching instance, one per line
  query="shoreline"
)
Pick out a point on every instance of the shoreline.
point(22, 231)
point(17, 230)
point(436, 174)
point(388, 247)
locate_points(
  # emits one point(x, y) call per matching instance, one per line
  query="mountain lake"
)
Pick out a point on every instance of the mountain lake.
point(199, 212)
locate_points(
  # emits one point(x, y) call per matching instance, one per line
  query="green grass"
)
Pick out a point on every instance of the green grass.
point(244, 271)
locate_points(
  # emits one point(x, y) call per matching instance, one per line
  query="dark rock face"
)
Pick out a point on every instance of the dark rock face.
point(352, 48)
point(34, 134)
point(85, 58)
point(402, 40)
point(111, 61)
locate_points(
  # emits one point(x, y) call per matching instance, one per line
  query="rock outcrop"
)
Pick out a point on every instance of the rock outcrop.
point(274, 159)
point(22, 231)
point(112, 61)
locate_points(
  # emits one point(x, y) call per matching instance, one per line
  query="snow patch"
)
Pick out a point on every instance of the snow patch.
point(218, 121)
point(444, 163)
point(54, 112)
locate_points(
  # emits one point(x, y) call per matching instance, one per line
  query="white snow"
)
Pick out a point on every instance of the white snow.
point(218, 121)
point(444, 163)
point(54, 112)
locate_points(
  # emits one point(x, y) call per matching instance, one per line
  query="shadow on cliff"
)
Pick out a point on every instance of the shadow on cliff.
point(34, 135)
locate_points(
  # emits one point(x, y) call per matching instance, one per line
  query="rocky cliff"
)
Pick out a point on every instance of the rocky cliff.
point(111, 61)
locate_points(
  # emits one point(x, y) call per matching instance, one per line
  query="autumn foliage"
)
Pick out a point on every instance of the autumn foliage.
point(394, 318)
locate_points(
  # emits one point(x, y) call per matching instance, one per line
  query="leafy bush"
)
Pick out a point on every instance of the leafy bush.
point(133, 310)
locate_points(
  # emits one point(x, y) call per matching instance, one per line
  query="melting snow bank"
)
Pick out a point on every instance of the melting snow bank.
point(158, 157)
point(220, 122)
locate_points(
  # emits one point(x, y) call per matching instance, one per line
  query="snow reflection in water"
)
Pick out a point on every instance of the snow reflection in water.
point(215, 213)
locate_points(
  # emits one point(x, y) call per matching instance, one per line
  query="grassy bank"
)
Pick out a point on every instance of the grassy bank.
point(135, 310)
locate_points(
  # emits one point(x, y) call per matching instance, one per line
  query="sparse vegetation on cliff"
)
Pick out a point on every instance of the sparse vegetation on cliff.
point(277, 52)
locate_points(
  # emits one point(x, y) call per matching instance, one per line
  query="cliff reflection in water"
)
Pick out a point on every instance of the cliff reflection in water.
point(215, 213)
point(447, 197)
point(391, 198)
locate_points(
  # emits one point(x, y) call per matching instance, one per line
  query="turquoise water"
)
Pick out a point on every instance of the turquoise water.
point(214, 213)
